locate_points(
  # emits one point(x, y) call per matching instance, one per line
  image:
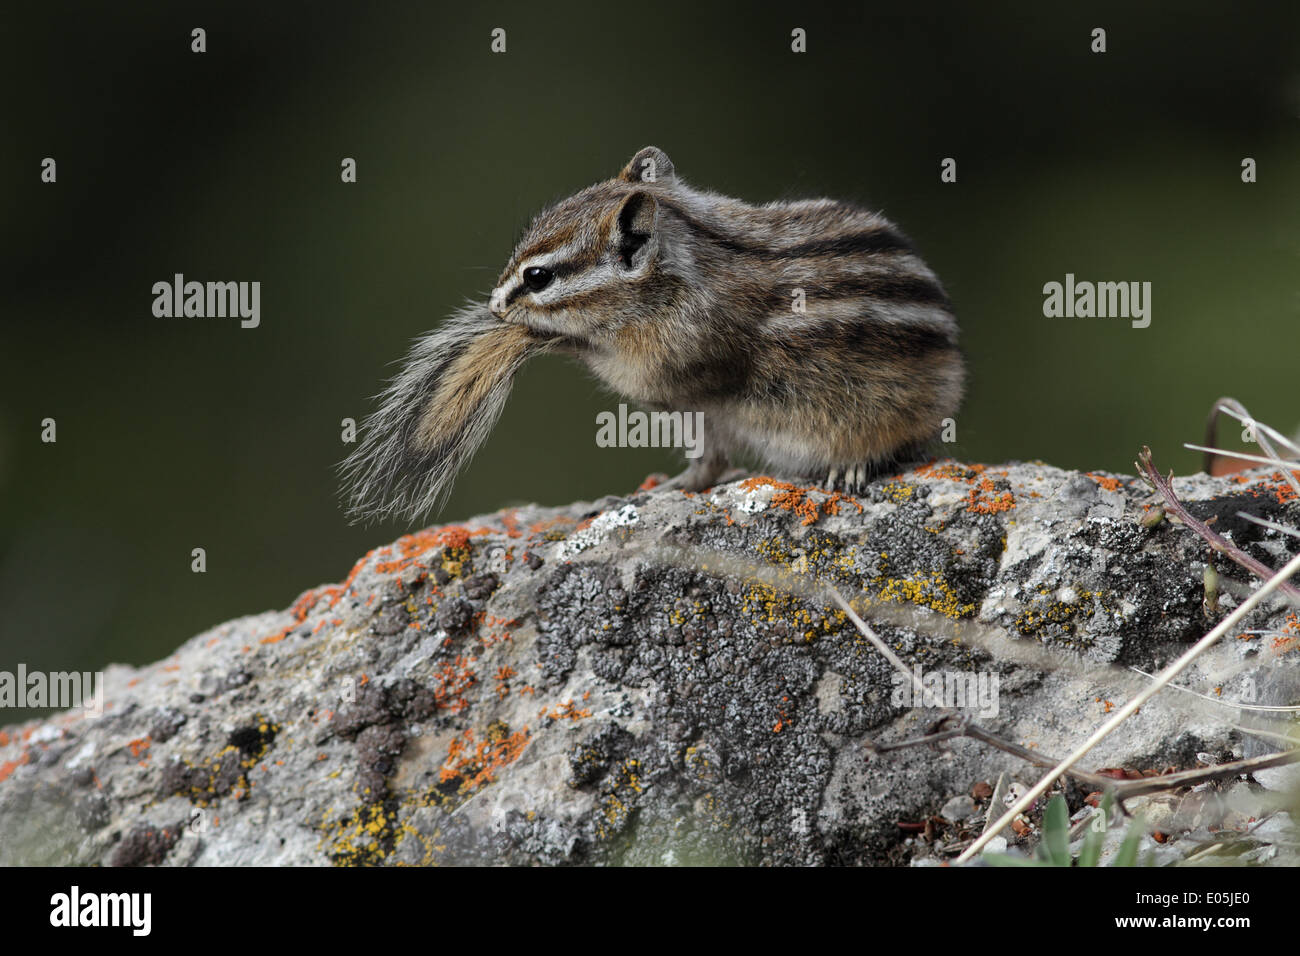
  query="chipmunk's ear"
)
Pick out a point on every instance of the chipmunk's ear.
point(634, 228)
point(650, 165)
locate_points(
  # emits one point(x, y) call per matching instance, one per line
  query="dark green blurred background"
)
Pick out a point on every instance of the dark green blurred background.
point(176, 433)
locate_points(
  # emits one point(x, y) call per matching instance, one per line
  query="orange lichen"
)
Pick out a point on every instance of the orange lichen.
point(790, 497)
point(495, 636)
point(1110, 484)
point(510, 519)
point(565, 711)
point(783, 718)
point(139, 745)
point(304, 604)
point(650, 483)
point(389, 560)
point(950, 470)
point(453, 680)
point(832, 504)
point(502, 677)
point(1274, 484)
point(984, 498)
point(476, 762)
point(1285, 641)
point(412, 546)
point(9, 766)
point(541, 527)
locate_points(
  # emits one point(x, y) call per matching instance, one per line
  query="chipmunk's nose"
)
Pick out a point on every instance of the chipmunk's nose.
point(497, 303)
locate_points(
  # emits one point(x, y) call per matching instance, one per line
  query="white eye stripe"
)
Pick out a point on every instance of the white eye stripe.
point(574, 272)
point(537, 262)
point(547, 260)
point(570, 284)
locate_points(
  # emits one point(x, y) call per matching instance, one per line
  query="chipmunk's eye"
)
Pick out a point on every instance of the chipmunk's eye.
point(537, 278)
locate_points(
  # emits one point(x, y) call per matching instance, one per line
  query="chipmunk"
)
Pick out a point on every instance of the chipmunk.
point(809, 333)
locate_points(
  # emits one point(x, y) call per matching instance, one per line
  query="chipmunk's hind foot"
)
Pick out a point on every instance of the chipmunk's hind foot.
point(851, 479)
point(854, 479)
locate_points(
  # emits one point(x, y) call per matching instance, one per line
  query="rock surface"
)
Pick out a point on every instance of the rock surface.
point(660, 679)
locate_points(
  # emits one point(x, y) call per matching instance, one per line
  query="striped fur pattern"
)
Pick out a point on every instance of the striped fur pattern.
point(435, 414)
point(682, 299)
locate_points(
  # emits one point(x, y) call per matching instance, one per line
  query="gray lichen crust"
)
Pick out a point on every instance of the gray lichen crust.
point(654, 679)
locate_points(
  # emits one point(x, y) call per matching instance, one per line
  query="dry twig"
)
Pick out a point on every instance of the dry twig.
point(1216, 541)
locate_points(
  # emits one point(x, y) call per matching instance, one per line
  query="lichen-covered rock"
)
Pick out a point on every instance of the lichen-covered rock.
point(659, 678)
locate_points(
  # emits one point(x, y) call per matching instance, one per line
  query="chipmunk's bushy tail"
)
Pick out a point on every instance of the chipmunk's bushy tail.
point(434, 415)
